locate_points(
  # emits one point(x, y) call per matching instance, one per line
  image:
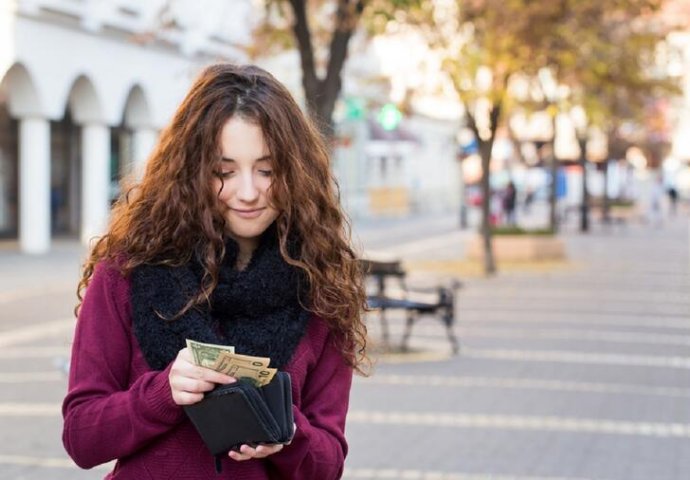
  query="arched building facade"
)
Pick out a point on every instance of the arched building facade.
point(85, 86)
point(81, 102)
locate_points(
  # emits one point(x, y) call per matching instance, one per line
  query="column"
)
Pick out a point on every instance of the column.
point(144, 139)
point(34, 185)
point(95, 202)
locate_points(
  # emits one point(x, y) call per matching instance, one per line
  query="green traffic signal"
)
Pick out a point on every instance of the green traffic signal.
point(389, 117)
point(354, 109)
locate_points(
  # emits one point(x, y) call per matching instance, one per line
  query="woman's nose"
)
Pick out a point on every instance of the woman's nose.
point(247, 190)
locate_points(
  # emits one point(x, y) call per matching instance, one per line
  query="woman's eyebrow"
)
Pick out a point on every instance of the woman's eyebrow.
point(265, 158)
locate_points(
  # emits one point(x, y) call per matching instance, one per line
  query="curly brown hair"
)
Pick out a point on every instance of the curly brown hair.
point(172, 212)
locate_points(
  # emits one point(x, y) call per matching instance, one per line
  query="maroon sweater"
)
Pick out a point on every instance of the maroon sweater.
point(118, 408)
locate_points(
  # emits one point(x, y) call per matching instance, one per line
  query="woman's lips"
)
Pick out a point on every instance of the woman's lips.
point(247, 213)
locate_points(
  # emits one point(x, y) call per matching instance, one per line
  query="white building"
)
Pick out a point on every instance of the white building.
point(85, 85)
point(406, 170)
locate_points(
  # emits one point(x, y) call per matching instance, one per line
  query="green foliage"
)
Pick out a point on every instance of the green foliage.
point(622, 203)
point(597, 202)
point(601, 51)
point(615, 78)
point(515, 230)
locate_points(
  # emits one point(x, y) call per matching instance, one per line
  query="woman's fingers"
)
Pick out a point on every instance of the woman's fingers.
point(193, 385)
point(188, 381)
point(246, 452)
point(202, 374)
point(187, 398)
point(238, 456)
point(265, 450)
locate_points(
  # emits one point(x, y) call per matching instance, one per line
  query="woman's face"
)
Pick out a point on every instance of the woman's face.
point(243, 179)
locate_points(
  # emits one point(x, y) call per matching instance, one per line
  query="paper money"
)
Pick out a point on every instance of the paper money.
point(222, 358)
point(246, 367)
point(206, 354)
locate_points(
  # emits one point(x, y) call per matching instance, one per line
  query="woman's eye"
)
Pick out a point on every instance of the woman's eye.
point(225, 174)
point(266, 173)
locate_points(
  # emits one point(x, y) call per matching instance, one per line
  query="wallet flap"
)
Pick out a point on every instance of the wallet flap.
point(228, 420)
point(289, 425)
point(240, 413)
point(278, 397)
point(263, 411)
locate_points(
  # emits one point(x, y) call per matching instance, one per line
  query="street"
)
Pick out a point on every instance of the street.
point(579, 370)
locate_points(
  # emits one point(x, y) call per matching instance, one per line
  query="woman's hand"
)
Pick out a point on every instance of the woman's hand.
point(188, 381)
point(260, 451)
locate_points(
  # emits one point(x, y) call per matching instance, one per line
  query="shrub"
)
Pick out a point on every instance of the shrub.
point(515, 230)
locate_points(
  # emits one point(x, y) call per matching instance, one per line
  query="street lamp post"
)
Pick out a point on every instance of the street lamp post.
point(579, 118)
point(467, 145)
point(552, 94)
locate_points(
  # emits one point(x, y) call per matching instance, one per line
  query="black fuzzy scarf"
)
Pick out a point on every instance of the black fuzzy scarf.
point(257, 310)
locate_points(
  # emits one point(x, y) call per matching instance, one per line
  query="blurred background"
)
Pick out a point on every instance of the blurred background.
point(536, 152)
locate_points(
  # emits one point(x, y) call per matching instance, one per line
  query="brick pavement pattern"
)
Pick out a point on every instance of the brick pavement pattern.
point(580, 372)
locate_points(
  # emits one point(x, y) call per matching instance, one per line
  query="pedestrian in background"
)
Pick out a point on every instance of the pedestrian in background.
point(656, 198)
point(509, 203)
point(529, 200)
point(672, 199)
point(234, 236)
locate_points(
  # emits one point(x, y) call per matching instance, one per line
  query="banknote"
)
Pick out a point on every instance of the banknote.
point(206, 354)
point(254, 369)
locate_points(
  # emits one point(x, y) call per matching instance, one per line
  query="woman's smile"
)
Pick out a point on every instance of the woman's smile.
point(248, 213)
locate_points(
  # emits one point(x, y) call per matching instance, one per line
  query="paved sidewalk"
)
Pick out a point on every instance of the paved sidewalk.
point(574, 373)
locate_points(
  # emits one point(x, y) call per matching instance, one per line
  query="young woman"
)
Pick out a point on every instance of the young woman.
point(233, 236)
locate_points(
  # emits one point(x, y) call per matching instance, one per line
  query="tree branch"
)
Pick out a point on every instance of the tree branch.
point(347, 18)
point(306, 50)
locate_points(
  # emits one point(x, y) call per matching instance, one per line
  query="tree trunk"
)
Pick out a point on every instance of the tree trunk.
point(584, 206)
point(322, 93)
point(615, 149)
point(553, 211)
point(606, 205)
point(485, 149)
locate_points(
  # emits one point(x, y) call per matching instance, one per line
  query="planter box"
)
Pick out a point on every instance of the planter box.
point(519, 248)
point(623, 213)
point(389, 201)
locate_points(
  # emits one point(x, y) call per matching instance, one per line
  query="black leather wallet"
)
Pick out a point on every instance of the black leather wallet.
point(240, 413)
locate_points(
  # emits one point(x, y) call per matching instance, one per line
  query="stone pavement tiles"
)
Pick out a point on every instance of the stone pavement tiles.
point(583, 373)
point(575, 373)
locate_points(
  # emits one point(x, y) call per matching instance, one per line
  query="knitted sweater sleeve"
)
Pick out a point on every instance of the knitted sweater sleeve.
point(319, 447)
point(106, 415)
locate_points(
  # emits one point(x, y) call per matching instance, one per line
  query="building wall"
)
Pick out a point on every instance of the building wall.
point(379, 177)
point(434, 173)
point(103, 69)
point(112, 74)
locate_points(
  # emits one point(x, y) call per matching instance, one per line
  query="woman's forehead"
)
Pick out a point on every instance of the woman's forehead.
point(242, 140)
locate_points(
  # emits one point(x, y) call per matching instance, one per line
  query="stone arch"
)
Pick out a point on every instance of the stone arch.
point(16, 88)
point(19, 89)
point(137, 133)
point(137, 112)
point(83, 107)
point(125, 137)
point(84, 103)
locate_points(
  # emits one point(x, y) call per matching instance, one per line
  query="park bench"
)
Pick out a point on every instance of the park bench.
point(438, 301)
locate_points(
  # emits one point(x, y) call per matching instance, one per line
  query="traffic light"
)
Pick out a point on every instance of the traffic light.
point(354, 108)
point(389, 117)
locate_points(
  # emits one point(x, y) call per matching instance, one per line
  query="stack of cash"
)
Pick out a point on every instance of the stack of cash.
point(222, 358)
